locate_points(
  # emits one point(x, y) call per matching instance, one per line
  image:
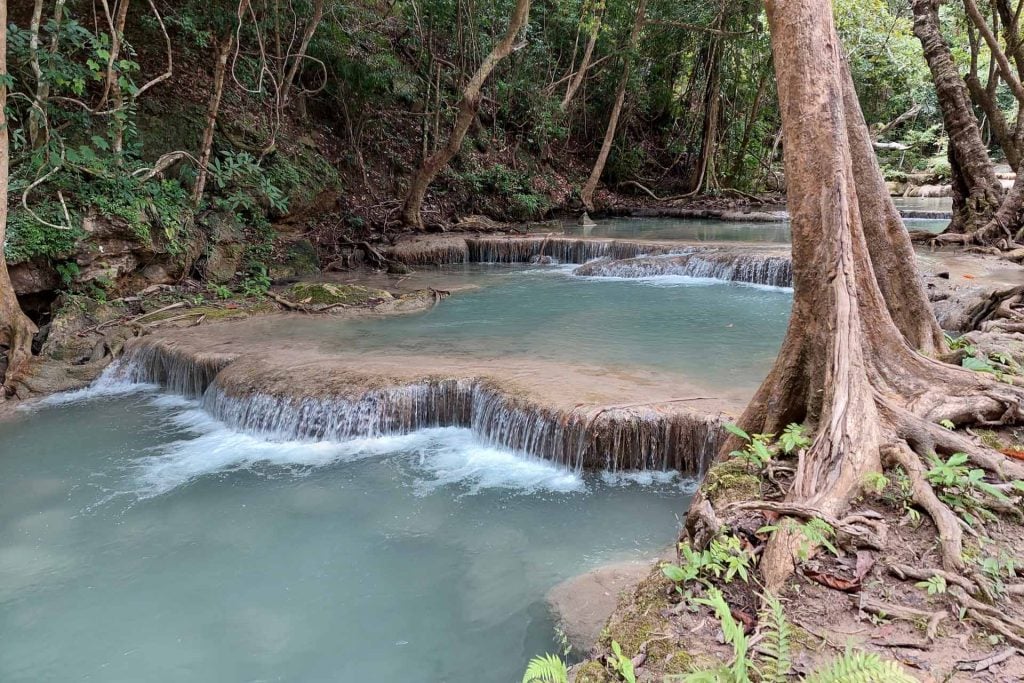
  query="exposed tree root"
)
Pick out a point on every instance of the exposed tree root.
point(950, 535)
point(891, 610)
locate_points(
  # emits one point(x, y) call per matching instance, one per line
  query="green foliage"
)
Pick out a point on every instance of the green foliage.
point(219, 291)
point(861, 667)
point(257, 282)
point(546, 669)
point(763, 448)
point(776, 647)
point(724, 558)
point(775, 663)
point(621, 664)
point(963, 488)
point(935, 585)
point(242, 184)
point(814, 532)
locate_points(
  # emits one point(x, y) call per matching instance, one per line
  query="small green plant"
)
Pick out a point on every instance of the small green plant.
point(776, 662)
point(876, 482)
point(936, 585)
point(761, 449)
point(219, 291)
point(724, 558)
point(546, 669)
point(257, 282)
point(963, 488)
point(815, 532)
point(621, 664)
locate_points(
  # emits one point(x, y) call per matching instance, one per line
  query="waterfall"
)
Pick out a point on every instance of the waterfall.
point(754, 268)
point(442, 251)
point(594, 438)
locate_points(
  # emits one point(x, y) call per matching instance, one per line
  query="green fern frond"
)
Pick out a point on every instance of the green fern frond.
point(546, 669)
point(731, 630)
point(776, 647)
point(861, 667)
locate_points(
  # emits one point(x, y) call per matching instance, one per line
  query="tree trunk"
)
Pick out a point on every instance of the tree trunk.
point(845, 367)
point(976, 190)
point(298, 57)
point(16, 330)
point(468, 107)
point(577, 80)
point(220, 70)
point(587, 195)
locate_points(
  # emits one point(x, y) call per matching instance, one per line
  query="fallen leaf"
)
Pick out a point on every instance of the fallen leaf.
point(1014, 453)
point(968, 276)
point(834, 582)
point(865, 561)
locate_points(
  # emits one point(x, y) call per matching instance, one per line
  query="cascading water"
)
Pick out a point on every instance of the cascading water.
point(609, 439)
point(754, 268)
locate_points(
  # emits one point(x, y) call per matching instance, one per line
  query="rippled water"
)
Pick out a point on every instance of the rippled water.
point(716, 333)
point(142, 541)
point(680, 229)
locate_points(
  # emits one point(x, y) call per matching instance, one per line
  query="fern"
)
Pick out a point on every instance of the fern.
point(776, 648)
point(546, 669)
point(732, 631)
point(861, 667)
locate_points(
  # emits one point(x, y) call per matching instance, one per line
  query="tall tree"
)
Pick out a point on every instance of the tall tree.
point(468, 107)
point(587, 195)
point(16, 330)
point(846, 367)
point(976, 190)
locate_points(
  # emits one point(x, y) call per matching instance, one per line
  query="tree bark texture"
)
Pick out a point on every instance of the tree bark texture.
point(976, 190)
point(16, 330)
point(848, 366)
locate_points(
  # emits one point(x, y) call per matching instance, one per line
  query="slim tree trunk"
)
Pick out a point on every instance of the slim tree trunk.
point(307, 36)
point(976, 190)
point(16, 330)
point(588, 52)
point(213, 108)
point(468, 107)
point(587, 195)
point(37, 118)
point(845, 367)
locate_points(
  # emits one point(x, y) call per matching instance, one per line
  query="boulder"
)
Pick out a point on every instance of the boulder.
point(319, 293)
point(299, 259)
point(582, 605)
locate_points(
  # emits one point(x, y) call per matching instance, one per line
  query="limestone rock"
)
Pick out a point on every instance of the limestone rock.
point(331, 293)
point(300, 259)
point(583, 603)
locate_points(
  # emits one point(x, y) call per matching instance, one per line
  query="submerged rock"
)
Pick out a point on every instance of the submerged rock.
point(581, 605)
point(331, 293)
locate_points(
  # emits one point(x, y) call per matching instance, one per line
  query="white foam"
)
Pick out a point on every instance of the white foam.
point(461, 459)
point(443, 456)
point(650, 478)
point(111, 382)
point(682, 281)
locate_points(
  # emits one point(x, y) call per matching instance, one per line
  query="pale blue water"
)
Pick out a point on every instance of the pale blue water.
point(722, 335)
point(141, 541)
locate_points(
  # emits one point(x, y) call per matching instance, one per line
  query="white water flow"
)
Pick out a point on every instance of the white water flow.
point(141, 540)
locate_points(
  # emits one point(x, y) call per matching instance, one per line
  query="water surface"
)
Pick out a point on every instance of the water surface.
point(142, 541)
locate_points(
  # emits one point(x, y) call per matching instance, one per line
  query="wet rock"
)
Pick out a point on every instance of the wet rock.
point(69, 337)
point(397, 268)
point(581, 605)
point(45, 377)
point(331, 293)
point(226, 247)
point(33, 277)
point(300, 259)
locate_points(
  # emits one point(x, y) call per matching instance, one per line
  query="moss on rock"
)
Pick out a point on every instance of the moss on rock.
point(330, 293)
point(731, 481)
point(592, 672)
